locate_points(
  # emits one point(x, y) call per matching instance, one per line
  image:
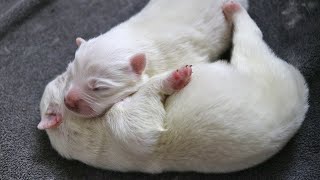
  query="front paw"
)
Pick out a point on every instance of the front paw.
point(180, 78)
point(52, 118)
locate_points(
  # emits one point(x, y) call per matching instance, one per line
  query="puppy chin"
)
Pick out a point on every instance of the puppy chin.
point(87, 112)
point(95, 112)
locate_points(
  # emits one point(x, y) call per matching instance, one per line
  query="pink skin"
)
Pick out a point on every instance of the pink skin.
point(177, 80)
point(55, 119)
point(180, 78)
point(230, 8)
point(74, 103)
point(51, 119)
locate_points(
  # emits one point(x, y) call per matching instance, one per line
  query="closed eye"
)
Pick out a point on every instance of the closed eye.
point(99, 84)
point(96, 85)
point(100, 88)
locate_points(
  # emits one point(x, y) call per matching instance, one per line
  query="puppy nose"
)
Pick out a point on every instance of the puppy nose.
point(70, 103)
point(71, 100)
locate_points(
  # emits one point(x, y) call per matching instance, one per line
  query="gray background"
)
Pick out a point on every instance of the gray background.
point(38, 40)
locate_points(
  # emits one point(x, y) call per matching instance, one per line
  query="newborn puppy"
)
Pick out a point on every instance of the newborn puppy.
point(165, 35)
point(228, 118)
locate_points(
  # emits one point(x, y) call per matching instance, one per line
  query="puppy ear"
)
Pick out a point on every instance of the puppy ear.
point(138, 63)
point(79, 41)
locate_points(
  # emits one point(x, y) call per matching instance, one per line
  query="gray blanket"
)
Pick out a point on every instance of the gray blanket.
point(38, 40)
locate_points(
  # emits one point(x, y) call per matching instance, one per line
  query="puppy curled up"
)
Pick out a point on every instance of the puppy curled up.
point(223, 117)
point(164, 36)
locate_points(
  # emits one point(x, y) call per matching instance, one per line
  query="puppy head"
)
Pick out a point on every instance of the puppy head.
point(101, 77)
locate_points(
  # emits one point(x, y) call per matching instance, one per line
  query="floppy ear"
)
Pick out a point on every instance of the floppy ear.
point(138, 63)
point(79, 41)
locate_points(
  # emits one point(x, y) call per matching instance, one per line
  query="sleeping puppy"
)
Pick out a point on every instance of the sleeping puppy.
point(164, 36)
point(224, 117)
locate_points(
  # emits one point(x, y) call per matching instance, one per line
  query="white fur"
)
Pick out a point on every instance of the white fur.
point(229, 117)
point(170, 34)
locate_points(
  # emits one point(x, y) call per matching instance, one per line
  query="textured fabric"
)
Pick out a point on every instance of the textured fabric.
point(13, 11)
point(38, 40)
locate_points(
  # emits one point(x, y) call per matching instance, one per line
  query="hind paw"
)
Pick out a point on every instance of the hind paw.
point(230, 8)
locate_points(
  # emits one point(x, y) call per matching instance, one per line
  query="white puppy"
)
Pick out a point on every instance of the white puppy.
point(164, 36)
point(228, 118)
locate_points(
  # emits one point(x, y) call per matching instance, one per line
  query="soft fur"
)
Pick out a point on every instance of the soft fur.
point(229, 117)
point(169, 33)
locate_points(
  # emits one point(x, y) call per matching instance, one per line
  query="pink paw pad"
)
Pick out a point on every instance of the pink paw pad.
point(51, 119)
point(181, 77)
point(56, 119)
point(230, 8)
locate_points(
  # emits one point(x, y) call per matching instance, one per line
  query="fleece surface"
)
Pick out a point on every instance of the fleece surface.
point(38, 40)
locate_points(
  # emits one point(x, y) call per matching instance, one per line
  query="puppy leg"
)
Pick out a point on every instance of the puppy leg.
point(137, 121)
point(250, 53)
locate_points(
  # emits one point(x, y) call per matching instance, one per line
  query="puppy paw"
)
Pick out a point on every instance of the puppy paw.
point(180, 78)
point(230, 8)
point(51, 119)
